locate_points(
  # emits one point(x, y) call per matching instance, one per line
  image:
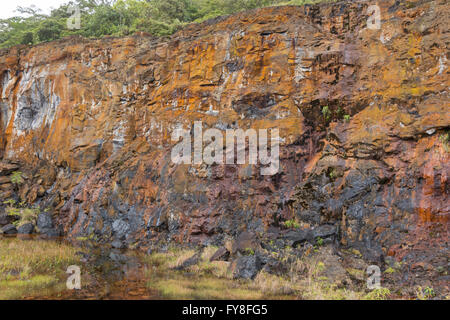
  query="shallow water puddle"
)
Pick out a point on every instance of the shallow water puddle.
point(105, 273)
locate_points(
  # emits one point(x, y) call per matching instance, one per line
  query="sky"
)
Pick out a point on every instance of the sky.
point(7, 7)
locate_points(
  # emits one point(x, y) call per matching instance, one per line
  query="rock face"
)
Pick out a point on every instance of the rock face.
point(363, 116)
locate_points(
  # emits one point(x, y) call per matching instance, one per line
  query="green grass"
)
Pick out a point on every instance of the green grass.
point(33, 268)
point(291, 224)
point(378, 294)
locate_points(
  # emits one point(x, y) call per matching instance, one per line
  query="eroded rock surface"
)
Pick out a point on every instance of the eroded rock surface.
point(363, 117)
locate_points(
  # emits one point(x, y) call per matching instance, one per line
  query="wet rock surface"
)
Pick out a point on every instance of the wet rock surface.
point(363, 119)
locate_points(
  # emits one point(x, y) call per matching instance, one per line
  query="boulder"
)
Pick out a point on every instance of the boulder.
point(275, 266)
point(121, 228)
point(324, 231)
point(46, 226)
point(9, 229)
point(246, 267)
point(222, 254)
point(194, 259)
point(296, 237)
point(7, 219)
point(27, 228)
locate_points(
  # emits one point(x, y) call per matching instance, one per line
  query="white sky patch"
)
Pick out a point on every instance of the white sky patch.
point(8, 7)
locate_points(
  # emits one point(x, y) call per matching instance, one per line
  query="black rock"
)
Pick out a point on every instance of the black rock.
point(247, 267)
point(324, 231)
point(295, 237)
point(222, 254)
point(27, 228)
point(9, 229)
point(7, 219)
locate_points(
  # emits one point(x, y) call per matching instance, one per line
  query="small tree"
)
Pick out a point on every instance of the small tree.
point(49, 30)
point(16, 178)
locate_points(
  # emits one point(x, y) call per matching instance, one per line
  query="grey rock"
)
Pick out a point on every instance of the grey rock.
point(324, 231)
point(51, 232)
point(295, 237)
point(44, 221)
point(246, 267)
point(118, 244)
point(121, 228)
point(222, 254)
point(9, 229)
point(27, 228)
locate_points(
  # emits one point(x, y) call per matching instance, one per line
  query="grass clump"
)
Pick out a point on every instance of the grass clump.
point(25, 215)
point(444, 138)
point(378, 294)
point(425, 293)
point(291, 224)
point(326, 112)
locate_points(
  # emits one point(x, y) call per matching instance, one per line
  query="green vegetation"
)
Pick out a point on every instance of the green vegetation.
point(33, 268)
point(319, 241)
point(326, 112)
point(27, 215)
point(390, 270)
point(306, 279)
point(347, 117)
point(291, 224)
point(16, 178)
point(121, 17)
point(249, 252)
point(206, 280)
point(425, 293)
point(332, 173)
point(378, 294)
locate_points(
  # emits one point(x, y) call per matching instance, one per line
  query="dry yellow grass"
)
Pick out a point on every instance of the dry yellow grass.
point(30, 268)
point(213, 280)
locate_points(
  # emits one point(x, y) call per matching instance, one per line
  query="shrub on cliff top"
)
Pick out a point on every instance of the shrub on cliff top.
point(121, 17)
